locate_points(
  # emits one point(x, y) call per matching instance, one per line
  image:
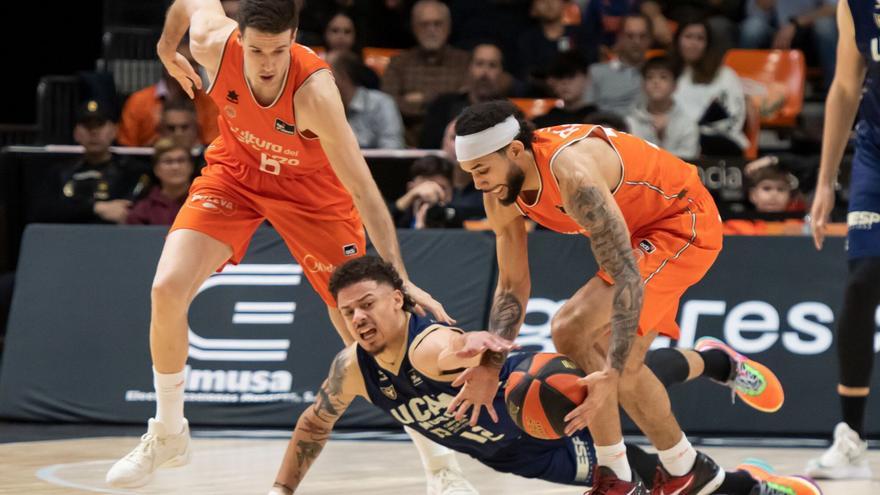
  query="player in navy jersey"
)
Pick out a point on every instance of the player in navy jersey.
point(856, 78)
point(405, 365)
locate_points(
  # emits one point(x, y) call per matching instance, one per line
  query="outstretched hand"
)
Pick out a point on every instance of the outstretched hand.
point(480, 384)
point(424, 302)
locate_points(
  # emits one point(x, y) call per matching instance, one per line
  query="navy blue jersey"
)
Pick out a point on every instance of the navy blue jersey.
point(866, 19)
point(419, 402)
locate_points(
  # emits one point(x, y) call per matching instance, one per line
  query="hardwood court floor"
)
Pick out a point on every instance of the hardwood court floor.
point(248, 466)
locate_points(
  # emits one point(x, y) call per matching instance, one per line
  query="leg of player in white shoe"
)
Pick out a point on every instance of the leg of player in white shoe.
point(441, 467)
point(187, 260)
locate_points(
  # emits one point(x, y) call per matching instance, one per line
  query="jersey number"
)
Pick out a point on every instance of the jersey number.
point(269, 165)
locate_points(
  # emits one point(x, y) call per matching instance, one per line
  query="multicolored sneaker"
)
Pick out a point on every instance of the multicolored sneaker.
point(753, 382)
point(705, 477)
point(771, 484)
point(605, 482)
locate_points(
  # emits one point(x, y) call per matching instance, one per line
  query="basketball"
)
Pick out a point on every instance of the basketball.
point(540, 391)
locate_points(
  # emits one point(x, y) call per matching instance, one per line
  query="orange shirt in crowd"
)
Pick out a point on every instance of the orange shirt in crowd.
point(143, 110)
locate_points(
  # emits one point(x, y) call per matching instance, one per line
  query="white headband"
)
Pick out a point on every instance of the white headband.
point(486, 141)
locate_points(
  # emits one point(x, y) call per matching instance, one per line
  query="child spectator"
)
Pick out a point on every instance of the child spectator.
point(658, 118)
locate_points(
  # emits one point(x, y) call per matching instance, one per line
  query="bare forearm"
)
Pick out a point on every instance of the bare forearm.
point(447, 359)
point(176, 23)
point(611, 247)
point(304, 447)
point(379, 226)
point(840, 112)
point(505, 318)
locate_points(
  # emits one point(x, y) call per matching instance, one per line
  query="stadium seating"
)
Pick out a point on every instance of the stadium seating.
point(535, 107)
point(378, 58)
point(775, 79)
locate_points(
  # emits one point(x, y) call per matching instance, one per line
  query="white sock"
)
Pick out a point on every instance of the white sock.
point(679, 460)
point(169, 399)
point(434, 456)
point(614, 457)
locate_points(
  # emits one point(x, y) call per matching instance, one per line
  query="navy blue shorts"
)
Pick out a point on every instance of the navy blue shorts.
point(863, 219)
point(568, 461)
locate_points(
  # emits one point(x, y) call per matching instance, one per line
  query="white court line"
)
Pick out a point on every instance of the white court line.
point(47, 474)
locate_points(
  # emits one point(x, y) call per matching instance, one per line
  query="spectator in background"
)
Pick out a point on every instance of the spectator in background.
point(484, 80)
point(542, 42)
point(418, 75)
point(340, 36)
point(787, 24)
point(617, 84)
point(601, 23)
point(97, 188)
point(720, 14)
point(658, 118)
point(173, 168)
point(180, 122)
point(709, 92)
point(567, 77)
point(428, 192)
point(772, 193)
point(372, 114)
point(467, 200)
point(143, 109)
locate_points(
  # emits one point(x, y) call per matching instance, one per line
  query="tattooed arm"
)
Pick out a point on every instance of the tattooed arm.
point(514, 283)
point(588, 200)
point(314, 425)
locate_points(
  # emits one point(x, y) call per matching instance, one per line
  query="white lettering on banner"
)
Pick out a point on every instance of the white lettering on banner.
point(253, 381)
point(751, 327)
point(742, 319)
point(716, 177)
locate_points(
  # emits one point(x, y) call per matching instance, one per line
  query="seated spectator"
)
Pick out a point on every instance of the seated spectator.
point(567, 77)
point(542, 42)
point(418, 75)
point(97, 188)
point(428, 191)
point(467, 200)
point(771, 192)
point(180, 122)
point(617, 84)
point(173, 169)
point(484, 82)
point(340, 36)
point(809, 25)
point(601, 23)
point(658, 118)
point(372, 114)
point(709, 92)
point(143, 109)
point(720, 14)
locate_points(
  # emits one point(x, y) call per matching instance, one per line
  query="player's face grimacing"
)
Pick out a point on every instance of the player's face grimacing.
point(497, 174)
point(372, 313)
point(266, 56)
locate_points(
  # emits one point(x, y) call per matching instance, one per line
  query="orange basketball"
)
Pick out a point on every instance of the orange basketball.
point(540, 391)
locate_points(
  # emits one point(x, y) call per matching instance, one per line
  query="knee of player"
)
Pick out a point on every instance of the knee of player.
point(169, 290)
point(568, 328)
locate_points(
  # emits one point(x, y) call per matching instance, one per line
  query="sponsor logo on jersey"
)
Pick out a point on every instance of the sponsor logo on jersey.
point(862, 220)
point(314, 265)
point(415, 378)
point(350, 249)
point(232, 96)
point(647, 247)
point(282, 126)
point(211, 204)
point(229, 110)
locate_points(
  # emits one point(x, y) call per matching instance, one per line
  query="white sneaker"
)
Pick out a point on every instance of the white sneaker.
point(448, 481)
point(157, 449)
point(845, 459)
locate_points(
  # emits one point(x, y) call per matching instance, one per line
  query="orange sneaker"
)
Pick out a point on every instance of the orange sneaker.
point(772, 484)
point(753, 382)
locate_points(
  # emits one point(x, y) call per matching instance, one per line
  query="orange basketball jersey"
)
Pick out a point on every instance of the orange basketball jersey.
point(654, 185)
point(252, 135)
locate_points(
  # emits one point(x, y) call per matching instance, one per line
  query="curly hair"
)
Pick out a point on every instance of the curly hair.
point(368, 268)
point(481, 116)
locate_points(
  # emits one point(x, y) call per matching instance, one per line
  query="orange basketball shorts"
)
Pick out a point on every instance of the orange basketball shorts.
point(313, 213)
point(674, 254)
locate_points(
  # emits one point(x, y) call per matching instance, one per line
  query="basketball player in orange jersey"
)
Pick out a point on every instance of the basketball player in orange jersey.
point(285, 154)
point(655, 231)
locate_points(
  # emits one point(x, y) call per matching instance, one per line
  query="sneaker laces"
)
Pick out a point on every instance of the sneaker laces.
point(453, 480)
point(145, 448)
point(746, 380)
